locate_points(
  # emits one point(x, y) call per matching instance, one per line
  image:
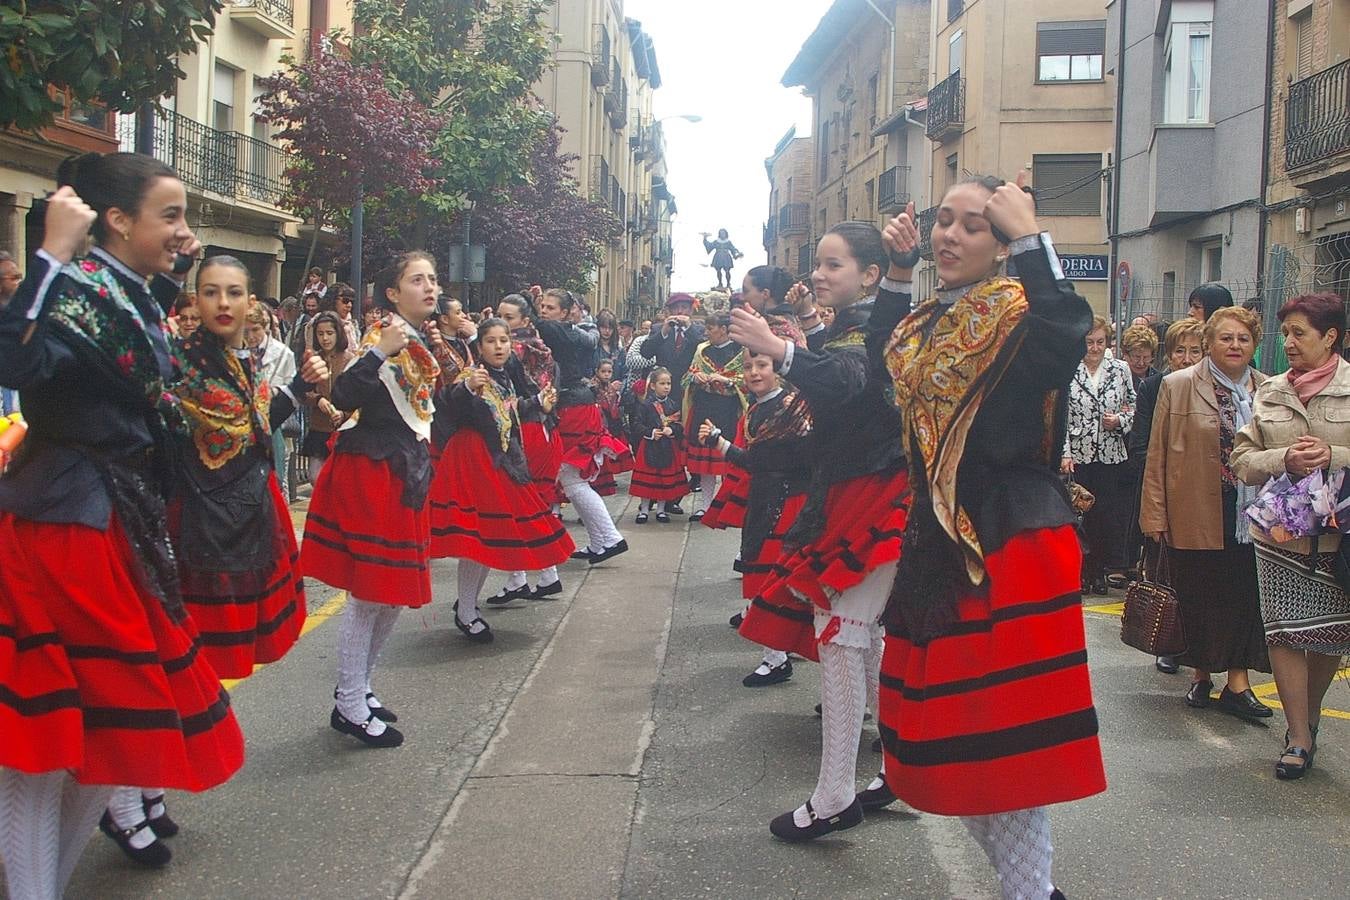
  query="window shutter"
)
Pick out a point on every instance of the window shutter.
point(1071, 38)
point(1067, 184)
point(1304, 38)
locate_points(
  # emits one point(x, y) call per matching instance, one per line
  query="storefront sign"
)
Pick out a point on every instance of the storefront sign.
point(1085, 267)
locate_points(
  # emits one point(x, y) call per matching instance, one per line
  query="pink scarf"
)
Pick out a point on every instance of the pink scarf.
point(1311, 383)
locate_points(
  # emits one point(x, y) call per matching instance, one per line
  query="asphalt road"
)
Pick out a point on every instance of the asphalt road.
point(603, 746)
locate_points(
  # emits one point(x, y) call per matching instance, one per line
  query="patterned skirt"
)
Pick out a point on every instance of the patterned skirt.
point(651, 482)
point(1302, 609)
point(997, 715)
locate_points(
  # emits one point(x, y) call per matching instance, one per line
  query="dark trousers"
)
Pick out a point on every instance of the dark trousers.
point(1104, 523)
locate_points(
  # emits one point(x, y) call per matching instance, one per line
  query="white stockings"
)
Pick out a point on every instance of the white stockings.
point(843, 697)
point(362, 634)
point(1018, 844)
point(45, 823)
point(600, 531)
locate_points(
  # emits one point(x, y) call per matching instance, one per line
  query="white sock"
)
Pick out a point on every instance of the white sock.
point(1018, 844)
point(515, 581)
point(774, 658)
point(874, 653)
point(154, 797)
point(127, 812)
point(355, 634)
point(547, 577)
point(600, 530)
point(843, 695)
point(385, 619)
point(81, 807)
point(472, 576)
point(30, 833)
point(556, 509)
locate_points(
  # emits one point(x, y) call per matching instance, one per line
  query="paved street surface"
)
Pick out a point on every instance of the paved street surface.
point(604, 746)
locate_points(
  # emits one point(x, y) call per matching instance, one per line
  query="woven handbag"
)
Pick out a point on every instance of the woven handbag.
point(1152, 619)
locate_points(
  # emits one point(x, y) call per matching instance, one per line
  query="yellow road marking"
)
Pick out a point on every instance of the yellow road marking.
point(1267, 692)
point(312, 621)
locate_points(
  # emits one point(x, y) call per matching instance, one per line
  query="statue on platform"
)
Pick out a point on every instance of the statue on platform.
point(724, 256)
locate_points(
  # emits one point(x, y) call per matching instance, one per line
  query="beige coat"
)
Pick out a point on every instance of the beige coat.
point(1183, 480)
point(1279, 418)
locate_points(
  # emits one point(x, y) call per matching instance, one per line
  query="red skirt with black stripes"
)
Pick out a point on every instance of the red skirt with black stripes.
point(865, 520)
point(701, 460)
point(361, 538)
point(479, 512)
point(95, 675)
point(243, 620)
point(786, 623)
point(727, 509)
point(618, 459)
point(582, 430)
point(659, 483)
point(997, 714)
point(543, 454)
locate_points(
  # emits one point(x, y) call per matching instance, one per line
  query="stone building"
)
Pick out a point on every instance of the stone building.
point(1308, 188)
point(787, 232)
point(601, 88)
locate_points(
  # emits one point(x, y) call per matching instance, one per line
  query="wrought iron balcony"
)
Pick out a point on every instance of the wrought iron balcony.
point(616, 99)
point(770, 232)
point(601, 57)
point(926, 220)
point(1317, 117)
point(794, 219)
point(893, 189)
point(223, 162)
point(272, 19)
point(947, 107)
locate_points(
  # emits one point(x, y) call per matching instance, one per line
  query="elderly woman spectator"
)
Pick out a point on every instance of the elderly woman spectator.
point(1194, 504)
point(1301, 423)
point(1101, 410)
point(1182, 348)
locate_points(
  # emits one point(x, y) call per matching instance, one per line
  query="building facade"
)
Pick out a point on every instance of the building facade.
point(787, 232)
point(1308, 189)
point(1016, 86)
point(601, 88)
point(863, 62)
point(1191, 122)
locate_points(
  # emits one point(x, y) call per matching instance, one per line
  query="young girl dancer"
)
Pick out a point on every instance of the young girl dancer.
point(848, 532)
point(618, 455)
point(714, 389)
point(986, 709)
point(778, 471)
point(330, 345)
point(231, 529)
point(368, 529)
point(538, 437)
point(579, 424)
point(658, 473)
point(495, 518)
point(101, 682)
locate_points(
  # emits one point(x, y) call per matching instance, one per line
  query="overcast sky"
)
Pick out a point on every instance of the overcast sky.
point(722, 60)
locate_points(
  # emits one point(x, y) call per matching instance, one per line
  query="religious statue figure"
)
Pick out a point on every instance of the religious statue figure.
point(724, 256)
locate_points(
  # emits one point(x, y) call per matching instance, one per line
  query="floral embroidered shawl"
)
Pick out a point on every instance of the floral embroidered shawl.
point(226, 408)
point(410, 377)
point(734, 369)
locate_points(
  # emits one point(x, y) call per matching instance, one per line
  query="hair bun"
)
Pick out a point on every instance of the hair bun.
point(75, 169)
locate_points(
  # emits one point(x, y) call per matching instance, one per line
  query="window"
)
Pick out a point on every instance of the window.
point(824, 152)
point(1169, 288)
point(1186, 74)
point(1070, 51)
point(1302, 44)
point(956, 51)
point(951, 170)
point(1067, 184)
point(870, 191)
point(222, 98)
point(954, 9)
point(1211, 261)
point(843, 205)
point(872, 103)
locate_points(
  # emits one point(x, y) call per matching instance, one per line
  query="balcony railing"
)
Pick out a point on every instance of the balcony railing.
point(616, 98)
point(1317, 117)
point(770, 231)
point(224, 162)
point(926, 220)
point(947, 107)
point(893, 189)
point(273, 19)
point(794, 219)
point(600, 57)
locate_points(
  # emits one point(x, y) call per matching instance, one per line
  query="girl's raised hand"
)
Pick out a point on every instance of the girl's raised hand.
point(67, 224)
point(901, 237)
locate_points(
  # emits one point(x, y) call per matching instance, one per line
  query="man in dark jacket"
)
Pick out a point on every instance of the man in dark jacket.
point(673, 346)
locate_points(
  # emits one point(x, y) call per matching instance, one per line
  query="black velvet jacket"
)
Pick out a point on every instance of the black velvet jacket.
point(856, 430)
point(573, 351)
point(779, 467)
point(659, 452)
point(464, 409)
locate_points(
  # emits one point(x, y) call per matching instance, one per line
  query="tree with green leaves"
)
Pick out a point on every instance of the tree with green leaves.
point(118, 54)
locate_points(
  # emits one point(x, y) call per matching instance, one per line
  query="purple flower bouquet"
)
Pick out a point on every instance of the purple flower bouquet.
point(1287, 510)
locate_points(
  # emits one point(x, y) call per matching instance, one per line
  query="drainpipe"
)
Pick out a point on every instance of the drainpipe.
point(1263, 217)
point(1116, 161)
point(890, 73)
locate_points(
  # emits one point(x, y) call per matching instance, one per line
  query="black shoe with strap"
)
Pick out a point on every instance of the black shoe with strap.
point(610, 552)
point(772, 675)
point(877, 798)
point(506, 595)
point(154, 855)
point(785, 827)
point(390, 737)
point(483, 636)
point(164, 826)
point(544, 591)
point(381, 712)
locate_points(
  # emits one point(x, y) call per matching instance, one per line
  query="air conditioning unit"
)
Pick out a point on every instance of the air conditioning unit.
point(1303, 220)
